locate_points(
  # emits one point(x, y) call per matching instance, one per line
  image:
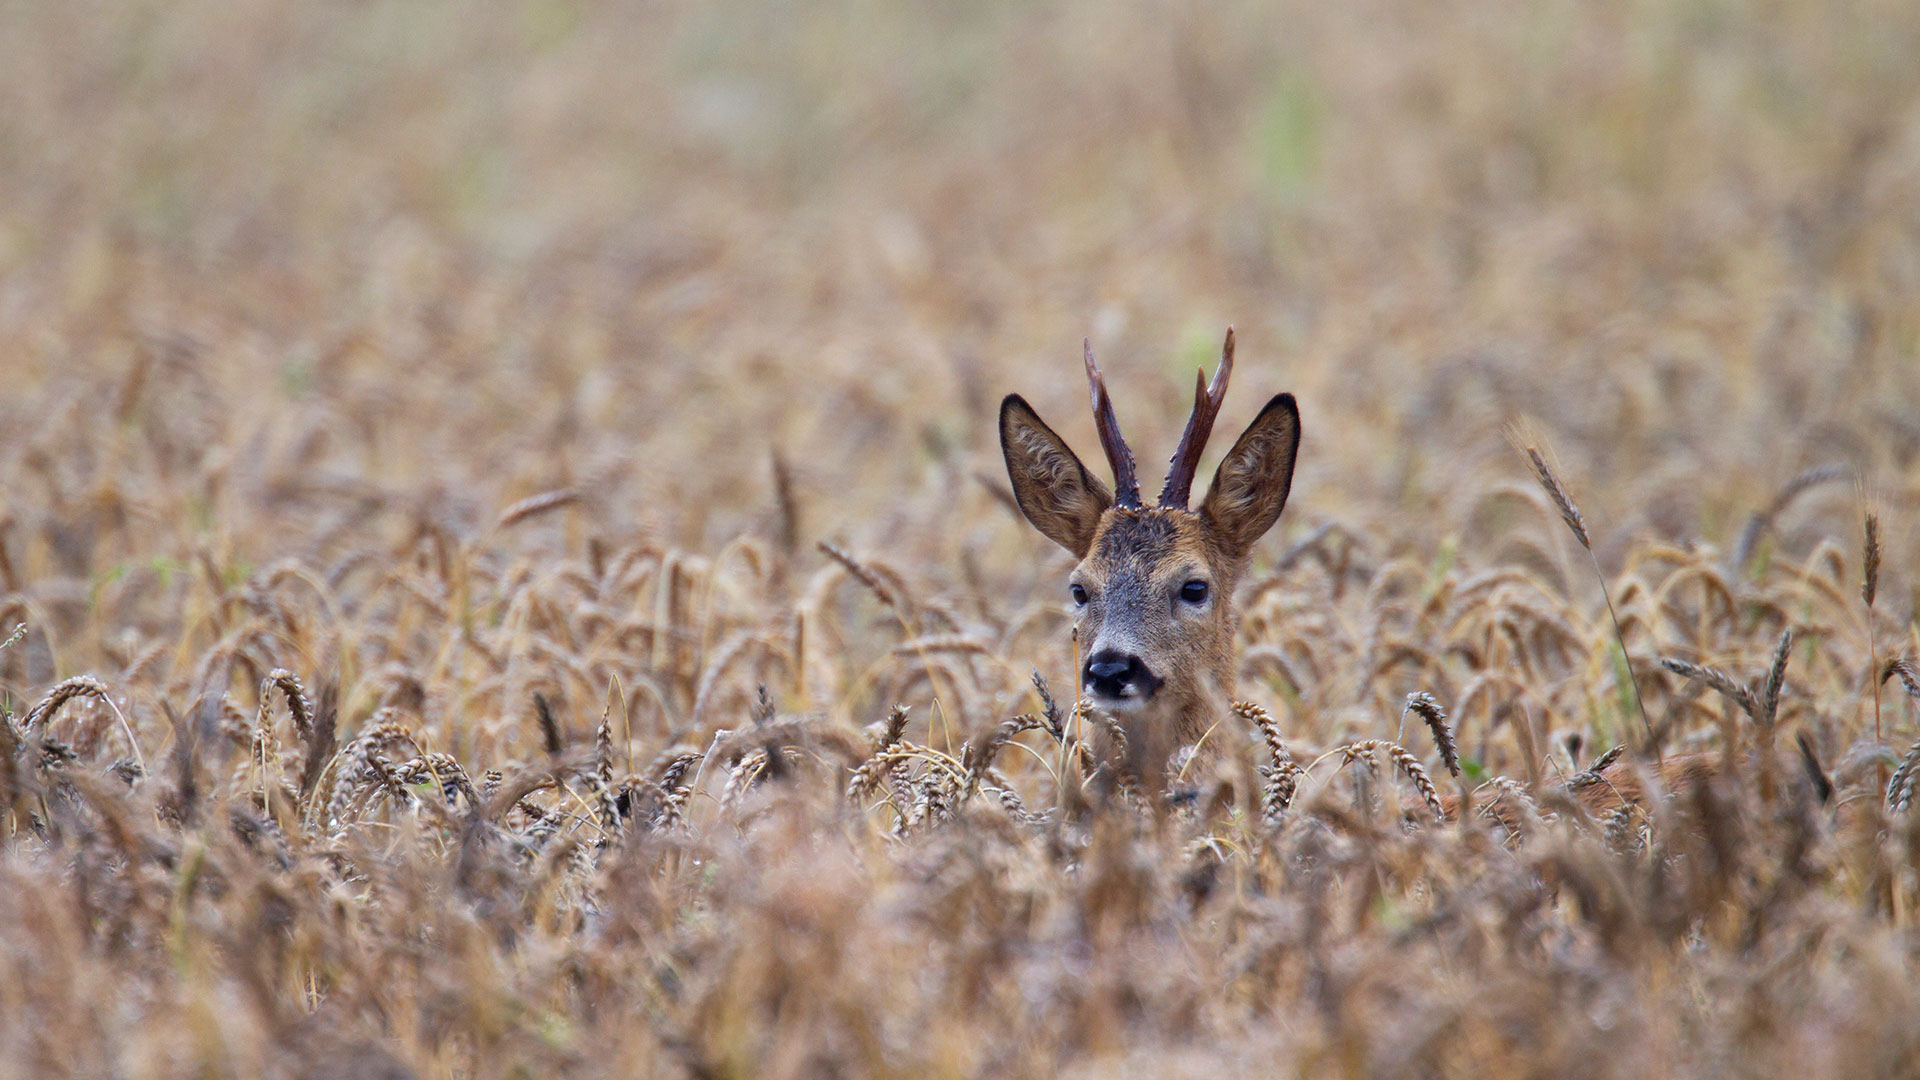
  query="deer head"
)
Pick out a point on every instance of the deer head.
point(1153, 592)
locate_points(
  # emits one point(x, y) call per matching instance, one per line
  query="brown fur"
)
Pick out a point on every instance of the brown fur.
point(1619, 785)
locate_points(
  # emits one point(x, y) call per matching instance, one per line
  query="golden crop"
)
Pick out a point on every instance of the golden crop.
point(518, 580)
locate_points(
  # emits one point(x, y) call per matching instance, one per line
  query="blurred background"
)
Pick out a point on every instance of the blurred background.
point(499, 371)
point(279, 278)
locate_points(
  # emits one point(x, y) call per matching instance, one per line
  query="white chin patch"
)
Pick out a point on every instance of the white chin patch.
point(1119, 706)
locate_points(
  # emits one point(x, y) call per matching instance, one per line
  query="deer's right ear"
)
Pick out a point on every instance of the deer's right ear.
point(1054, 490)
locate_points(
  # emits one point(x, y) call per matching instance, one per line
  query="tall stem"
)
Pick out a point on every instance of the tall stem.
point(1625, 657)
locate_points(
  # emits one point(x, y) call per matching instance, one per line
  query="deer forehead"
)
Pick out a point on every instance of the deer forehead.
point(1145, 544)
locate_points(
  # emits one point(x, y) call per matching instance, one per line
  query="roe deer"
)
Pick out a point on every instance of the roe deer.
point(1153, 592)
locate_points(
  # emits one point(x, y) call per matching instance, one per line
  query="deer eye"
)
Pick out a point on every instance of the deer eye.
point(1194, 592)
point(1079, 595)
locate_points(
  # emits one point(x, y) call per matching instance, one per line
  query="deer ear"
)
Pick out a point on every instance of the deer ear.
point(1054, 490)
point(1250, 487)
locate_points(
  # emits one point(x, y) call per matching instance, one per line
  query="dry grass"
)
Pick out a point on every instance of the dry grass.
point(517, 578)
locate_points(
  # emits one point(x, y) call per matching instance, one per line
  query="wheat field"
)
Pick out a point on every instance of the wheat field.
point(514, 576)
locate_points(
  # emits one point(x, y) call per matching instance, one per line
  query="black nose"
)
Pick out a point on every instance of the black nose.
point(1110, 673)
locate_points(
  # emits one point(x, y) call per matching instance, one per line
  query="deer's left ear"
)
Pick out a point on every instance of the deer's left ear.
point(1250, 487)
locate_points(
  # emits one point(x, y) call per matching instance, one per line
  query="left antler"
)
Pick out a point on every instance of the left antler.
point(1126, 486)
point(1206, 407)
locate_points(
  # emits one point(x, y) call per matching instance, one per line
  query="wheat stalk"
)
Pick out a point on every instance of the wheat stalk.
point(1869, 589)
point(1280, 778)
point(861, 573)
point(1717, 679)
point(1900, 786)
point(362, 763)
point(299, 707)
point(1776, 679)
point(1416, 773)
point(1002, 789)
point(535, 505)
point(1570, 513)
point(1909, 677)
point(1424, 705)
point(1049, 709)
point(1870, 577)
point(43, 713)
point(1595, 773)
point(1123, 772)
point(671, 786)
point(867, 775)
point(979, 760)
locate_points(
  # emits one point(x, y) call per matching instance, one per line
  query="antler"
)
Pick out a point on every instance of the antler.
point(1206, 407)
point(1126, 487)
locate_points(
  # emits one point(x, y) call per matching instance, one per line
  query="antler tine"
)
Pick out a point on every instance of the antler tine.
point(1206, 407)
point(1126, 486)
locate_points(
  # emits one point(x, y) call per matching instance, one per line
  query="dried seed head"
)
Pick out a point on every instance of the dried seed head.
point(1415, 772)
point(298, 706)
point(1281, 778)
point(860, 571)
point(1900, 785)
point(1282, 782)
point(536, 505)
point(1528, 443)
point(1870, 584)
point(1002, 789)
point(979, 760)
point(867, 776)
point(603, 746)
point(1718, 680)
point(1123, 773)
point(549, 727)
point(1596, 773)
point(1428, 709)
point(1817, 776)
point(41, 715)
point(1049, 708)
point(1269, 731)
point(1777, 677)
point(1909, 677)
point(364, 765)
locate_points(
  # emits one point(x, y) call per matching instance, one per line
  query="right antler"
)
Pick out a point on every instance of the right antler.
point(1126, 486)
point(1206, 407)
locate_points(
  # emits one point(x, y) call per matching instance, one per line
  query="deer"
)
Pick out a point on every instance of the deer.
point(1153, 586)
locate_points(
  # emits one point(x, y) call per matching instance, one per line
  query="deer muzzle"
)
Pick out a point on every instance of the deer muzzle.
point(1114, 679)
